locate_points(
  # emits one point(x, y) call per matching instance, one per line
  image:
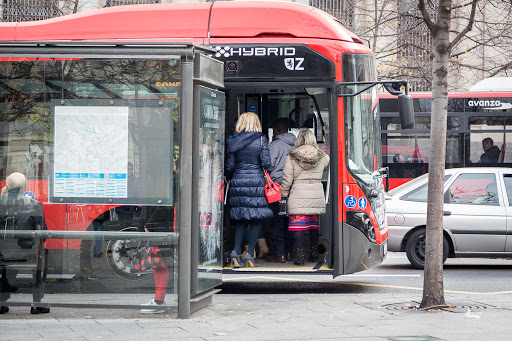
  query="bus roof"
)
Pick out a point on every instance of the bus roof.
point(158, 22)
point(451, 95)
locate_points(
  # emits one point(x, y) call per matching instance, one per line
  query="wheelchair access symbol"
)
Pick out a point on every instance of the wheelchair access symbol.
point(350, 201)
point(362, 203)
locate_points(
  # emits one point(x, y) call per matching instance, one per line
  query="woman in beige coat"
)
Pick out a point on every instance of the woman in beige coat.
point(302, 184)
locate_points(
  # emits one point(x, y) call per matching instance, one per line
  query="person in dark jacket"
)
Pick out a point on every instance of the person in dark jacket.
point(282, 143)
point(248, 154)
point(19, 212)
point(491, 152)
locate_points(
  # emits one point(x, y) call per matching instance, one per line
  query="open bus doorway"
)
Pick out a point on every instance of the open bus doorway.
point(304, 108)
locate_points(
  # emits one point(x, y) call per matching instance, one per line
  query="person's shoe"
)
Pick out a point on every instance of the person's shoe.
point(4, 309)
point(153, 308)
point(275, 259)
point(299, 257)
point(244, 253)
point(98, 254)
point(236, 260)
point(262, 243)
point(39, 310)
point(250, 262)
point(269, 258)
point(289, 257)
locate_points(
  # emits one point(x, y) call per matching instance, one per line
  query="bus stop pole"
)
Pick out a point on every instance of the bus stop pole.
point(185, 199)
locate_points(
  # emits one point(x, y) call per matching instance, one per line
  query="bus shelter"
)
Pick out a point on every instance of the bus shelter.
point(107, 150)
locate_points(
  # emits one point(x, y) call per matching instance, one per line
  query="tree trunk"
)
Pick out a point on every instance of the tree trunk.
point(433, 290)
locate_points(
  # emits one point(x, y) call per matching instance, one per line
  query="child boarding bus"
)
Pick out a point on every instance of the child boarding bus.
point(281, 60)
point(474, 119)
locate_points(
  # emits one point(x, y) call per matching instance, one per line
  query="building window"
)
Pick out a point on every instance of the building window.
point(110, 3)
point(29, 10)
point(343, 10)
point(414, 46)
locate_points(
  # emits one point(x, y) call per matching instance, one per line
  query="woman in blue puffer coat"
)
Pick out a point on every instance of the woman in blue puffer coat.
point(248, 154)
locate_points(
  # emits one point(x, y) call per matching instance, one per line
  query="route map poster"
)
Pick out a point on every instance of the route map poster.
point(91, 151)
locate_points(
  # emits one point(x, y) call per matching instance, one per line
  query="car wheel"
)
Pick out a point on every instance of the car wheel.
point(415, 249)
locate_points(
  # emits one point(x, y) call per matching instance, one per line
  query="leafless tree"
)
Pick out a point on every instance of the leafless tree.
point(396, 32)
point(440, 28)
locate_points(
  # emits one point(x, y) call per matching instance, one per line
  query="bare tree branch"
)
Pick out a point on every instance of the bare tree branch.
point(467, 28)
point(426, 17)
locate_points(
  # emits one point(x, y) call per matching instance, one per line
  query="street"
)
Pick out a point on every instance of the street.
point(473, 276)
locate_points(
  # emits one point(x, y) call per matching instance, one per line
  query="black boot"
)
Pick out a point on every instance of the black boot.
point(4, 310)
point(313, 254)
point(299, 257)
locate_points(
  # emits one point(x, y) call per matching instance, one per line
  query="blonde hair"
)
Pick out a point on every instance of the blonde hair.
point(249, 122)
point(306, 136)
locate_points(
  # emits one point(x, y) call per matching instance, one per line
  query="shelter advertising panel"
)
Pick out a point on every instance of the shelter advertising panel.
point(211, 186)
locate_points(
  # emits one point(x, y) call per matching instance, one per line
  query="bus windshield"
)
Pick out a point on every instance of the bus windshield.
point(362, 118)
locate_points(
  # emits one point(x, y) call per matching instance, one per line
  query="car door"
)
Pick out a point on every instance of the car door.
point(507, 182)
point(474, 212)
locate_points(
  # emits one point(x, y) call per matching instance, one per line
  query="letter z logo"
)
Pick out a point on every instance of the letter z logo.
point(294, 64)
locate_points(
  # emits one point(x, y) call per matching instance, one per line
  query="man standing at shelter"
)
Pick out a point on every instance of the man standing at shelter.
point(282, 142)
point(20, 213)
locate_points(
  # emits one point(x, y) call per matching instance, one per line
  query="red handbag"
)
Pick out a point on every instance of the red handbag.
point(272, 189)
point(220, 191)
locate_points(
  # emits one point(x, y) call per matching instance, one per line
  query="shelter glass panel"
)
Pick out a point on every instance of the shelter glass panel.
point(50, 252)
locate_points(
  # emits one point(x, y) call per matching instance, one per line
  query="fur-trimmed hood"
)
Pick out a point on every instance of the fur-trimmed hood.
point(307, 156)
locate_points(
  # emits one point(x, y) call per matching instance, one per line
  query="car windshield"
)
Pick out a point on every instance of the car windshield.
point(419, 193)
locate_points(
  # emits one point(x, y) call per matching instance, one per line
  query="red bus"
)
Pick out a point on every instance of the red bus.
point(281, 60)
point(472, 117)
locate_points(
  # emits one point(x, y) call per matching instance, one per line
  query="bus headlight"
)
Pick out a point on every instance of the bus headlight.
point(362, 222)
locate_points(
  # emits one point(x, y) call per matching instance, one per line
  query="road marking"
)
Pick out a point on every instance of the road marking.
point(364, 285)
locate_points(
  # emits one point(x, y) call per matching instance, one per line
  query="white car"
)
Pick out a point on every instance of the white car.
point(477, 217)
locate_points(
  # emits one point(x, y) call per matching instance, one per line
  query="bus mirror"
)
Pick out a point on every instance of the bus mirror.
point(406, 110)
point(394, 88)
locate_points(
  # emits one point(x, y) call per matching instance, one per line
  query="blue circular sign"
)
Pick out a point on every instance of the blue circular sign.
point(29, 194)
point(350, 201)
point(362, 203)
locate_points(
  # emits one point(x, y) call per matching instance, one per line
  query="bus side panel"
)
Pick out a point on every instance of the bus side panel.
point(55, 219)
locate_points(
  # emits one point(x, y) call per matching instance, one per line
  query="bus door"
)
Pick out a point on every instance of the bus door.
point(300, 108)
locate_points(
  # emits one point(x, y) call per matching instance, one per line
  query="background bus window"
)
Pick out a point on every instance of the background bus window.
point(407, 153)
point(499, 129)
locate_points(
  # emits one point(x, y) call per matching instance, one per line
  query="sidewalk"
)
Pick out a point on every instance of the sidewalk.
point(279, 317)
